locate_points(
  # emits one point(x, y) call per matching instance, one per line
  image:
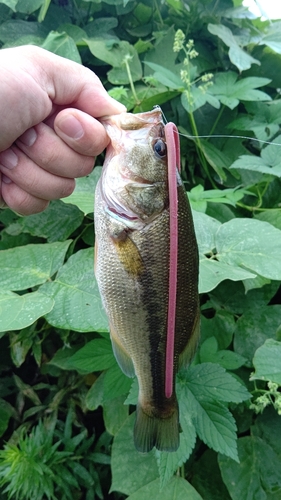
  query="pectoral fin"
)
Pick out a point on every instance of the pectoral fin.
point(122, 357)
point(128, 253)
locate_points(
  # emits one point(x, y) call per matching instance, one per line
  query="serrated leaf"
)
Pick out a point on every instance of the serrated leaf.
point(229, 360)
point(214, 424)
point(135, 469)
point(6, 411)
point(267, 362)
point(20, 311)
point(178, 489)
point(30, 265)
point(95, 356)
point(254, 477)
point(168, 463)
point(211, 381)
point(75, 292)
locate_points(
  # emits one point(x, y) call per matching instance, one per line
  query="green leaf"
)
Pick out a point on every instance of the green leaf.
point(238, 56)
point(211, 381)
point(135, 469)
point(213, 272)
point(56, 223)
point(83, 195)
point(95, 356)
point(28, 6)
point(116, 54)
point(206, 477)
point(267, 362)
point(75, 292)
point(272, 216)
point(221, 326)
point(114, 414)
point(165, 76)
point(30, 265)
point(95, 395)
point(19, 311)
point(229, 360)
point(217, 159)
point(115, 382)
point(254, 327)
point(168, 463)
point(10, 3)
point(214, 424)
point(6, 411)
point(229, 90)
point(13, 29)
point(255, 476)
point(268, 163)
point(250, 244)
point(178, 489)
point(62, 45)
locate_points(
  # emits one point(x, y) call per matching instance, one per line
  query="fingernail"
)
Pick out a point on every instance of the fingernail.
point(70, 126)
point(8, 159)
point(120, 107)
point(29, 137)
point(6, 179)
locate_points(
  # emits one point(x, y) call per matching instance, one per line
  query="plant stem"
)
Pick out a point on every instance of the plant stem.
point(131, 81)
point(217, 120)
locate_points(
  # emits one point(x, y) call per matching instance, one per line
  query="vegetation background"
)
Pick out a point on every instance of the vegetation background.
point(66, 410)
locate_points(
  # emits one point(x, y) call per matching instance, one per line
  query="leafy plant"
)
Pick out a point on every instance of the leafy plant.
point(67, 410)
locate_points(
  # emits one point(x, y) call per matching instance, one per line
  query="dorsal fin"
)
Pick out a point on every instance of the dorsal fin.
point(173, 150)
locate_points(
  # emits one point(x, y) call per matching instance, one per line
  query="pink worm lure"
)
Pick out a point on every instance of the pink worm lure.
point(173, 150)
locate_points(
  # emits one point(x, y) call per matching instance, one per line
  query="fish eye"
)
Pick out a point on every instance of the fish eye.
point(160, 148)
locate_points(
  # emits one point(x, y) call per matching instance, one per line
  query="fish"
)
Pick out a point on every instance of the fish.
point(146, 267)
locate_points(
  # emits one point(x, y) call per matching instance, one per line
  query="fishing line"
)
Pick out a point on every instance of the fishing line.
point(218, 136)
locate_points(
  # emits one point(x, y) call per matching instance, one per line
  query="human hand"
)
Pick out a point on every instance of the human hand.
point(48, 133)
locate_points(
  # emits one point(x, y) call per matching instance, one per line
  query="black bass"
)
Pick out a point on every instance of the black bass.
point(146, 266)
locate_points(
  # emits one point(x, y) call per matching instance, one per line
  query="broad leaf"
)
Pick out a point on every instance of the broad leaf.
point(229, 90)
point(238, 56)
point(135, 469)
point(30, 265)
point(95, 356)
point(56, 223)
point(19, 311)
point(254, 328)
point(255, 476)
point(62, 45)
point(267, 362)
point(83, 195)
point(250, 244)
point(177, 488)
point(75, 292)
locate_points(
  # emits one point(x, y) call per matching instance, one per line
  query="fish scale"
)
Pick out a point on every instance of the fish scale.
point(132, 270)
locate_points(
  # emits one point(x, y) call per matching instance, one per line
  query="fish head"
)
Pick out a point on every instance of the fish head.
point(134, 182)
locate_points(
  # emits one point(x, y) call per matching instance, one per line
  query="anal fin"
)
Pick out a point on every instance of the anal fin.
point(122, 357)
point(187, 354)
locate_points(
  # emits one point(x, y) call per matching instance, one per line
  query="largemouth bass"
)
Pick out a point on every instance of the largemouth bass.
point(133, 256)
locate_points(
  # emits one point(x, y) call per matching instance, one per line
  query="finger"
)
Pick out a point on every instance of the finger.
point(81, 132)
point(28, 176)
point(20, 201)
point(2, 202)
point(43, 146)
point(48, 80)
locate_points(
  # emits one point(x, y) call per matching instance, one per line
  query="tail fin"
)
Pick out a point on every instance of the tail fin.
point(163, 433)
